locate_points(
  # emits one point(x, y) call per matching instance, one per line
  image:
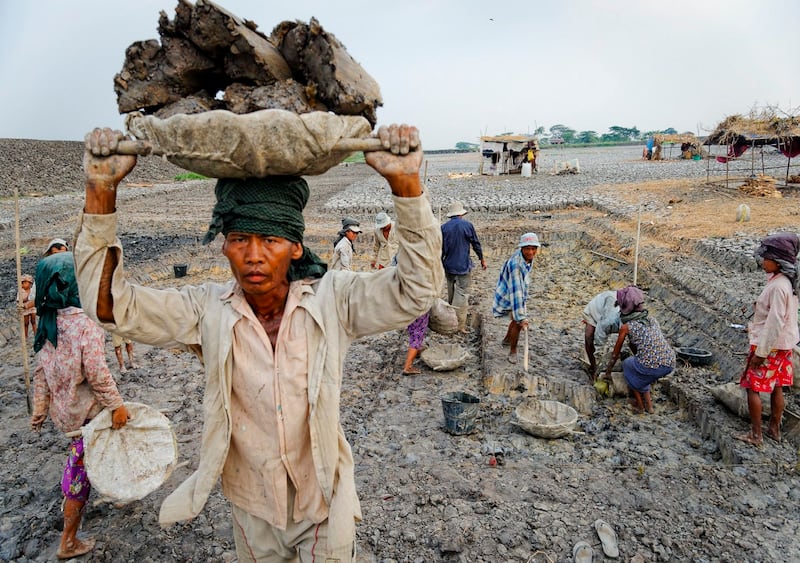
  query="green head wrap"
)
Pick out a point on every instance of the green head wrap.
point(56, 288)
point(271, 206)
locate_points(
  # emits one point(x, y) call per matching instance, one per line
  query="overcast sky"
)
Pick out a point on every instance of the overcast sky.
point(457, 69)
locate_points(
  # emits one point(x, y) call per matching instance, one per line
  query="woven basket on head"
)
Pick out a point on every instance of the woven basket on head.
point(270, 142)
point(546, 419)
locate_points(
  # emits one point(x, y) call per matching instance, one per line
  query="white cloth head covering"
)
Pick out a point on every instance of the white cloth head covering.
point(382, 219)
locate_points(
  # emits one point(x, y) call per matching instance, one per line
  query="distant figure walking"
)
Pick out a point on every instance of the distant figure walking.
point(117, 341)
point(26, 300)
point(458, 235)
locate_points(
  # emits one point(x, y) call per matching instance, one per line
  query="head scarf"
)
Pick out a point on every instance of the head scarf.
point(271, 206)
point(783, 249)
point(631, 305)
point(56, 288)
point(347, 222)
point(630, 299)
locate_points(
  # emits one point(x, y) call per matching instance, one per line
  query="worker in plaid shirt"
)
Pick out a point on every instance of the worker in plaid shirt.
point(511, 292)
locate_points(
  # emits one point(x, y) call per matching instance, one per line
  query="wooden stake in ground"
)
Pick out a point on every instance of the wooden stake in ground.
point(23, 340)
point(525, 352)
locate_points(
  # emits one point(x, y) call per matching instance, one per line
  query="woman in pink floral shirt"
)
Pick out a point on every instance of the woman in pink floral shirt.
point(72, 382)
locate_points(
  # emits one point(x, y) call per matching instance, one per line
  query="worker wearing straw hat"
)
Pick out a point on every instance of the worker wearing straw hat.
point(458, 235)
point(273, 342)
point(385, 237)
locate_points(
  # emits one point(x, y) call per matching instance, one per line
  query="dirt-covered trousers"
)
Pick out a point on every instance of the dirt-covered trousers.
point(258, 541)
point(457, 286)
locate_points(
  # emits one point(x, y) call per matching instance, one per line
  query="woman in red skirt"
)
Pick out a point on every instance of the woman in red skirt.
point(773, 333)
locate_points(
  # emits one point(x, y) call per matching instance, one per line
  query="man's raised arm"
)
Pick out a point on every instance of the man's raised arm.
point(104, 171)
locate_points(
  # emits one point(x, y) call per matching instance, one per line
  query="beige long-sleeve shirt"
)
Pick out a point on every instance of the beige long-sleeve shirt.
point(270, 437)
point(774, 324)
point(384, 248)
point(338, 308)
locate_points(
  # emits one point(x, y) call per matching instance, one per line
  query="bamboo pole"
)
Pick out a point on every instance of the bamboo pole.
point(23, 340)
point(609, 257)
point(636, 252)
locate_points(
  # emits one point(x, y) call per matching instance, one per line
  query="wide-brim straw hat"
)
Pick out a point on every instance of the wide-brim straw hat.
point(456, 209)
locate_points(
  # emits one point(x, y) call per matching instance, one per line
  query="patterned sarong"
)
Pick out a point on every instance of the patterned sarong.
point(776, 371)
point(75, 482)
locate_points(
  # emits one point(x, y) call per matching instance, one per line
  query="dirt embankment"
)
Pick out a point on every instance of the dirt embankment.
point(46, 168)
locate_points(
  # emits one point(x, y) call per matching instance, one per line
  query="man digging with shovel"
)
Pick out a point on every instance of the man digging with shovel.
point(273, 343)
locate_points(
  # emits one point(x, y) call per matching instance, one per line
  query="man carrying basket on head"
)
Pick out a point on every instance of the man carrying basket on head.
point(273, 342)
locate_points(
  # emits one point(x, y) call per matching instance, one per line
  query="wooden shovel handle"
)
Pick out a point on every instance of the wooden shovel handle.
point(145, 148)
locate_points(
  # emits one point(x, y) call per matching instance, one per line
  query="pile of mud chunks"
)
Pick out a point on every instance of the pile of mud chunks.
point(210, 59)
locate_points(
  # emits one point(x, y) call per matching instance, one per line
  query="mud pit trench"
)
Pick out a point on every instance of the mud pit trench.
point(661, 480)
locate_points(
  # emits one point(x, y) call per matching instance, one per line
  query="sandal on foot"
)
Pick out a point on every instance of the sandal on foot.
point(412, 371)
point(582, 552)
point(749, 438)
point(512, 358)
point(773, 437)
point(607, 537)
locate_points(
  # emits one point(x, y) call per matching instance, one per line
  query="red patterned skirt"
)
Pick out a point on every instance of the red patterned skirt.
point(776, 371)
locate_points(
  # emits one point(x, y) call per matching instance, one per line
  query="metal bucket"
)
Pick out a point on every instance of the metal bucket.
point(460, 410)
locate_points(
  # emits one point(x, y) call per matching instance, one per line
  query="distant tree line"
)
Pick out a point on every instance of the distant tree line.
point(561, 134)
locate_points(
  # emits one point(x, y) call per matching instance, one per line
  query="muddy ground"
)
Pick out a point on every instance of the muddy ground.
point(673, 484)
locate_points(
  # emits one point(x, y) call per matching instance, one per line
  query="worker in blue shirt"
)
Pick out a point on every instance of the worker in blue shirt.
point(458, 235)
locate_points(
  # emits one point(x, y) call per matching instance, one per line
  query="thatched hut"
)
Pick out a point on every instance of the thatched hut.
point(760, 129)
point(691, 146)
point(740, 133)
point(505, 154)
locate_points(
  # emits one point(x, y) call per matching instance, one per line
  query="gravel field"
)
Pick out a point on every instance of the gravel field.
point(674, 485)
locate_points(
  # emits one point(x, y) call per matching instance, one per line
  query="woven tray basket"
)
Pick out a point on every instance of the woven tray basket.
point(546, 419)
point(129, 463)
point(270, 142)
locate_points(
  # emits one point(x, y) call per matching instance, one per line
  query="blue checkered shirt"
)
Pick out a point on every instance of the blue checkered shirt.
point(511, 293)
